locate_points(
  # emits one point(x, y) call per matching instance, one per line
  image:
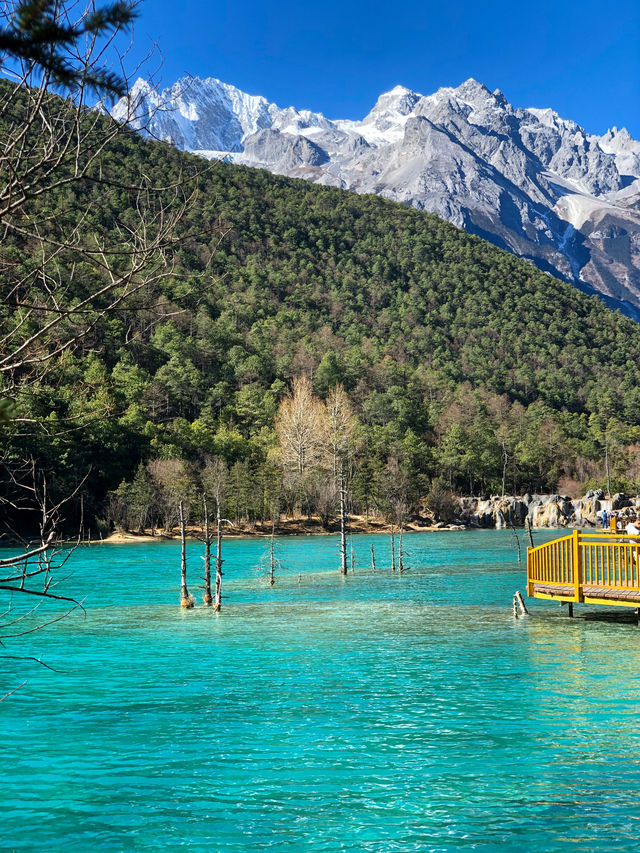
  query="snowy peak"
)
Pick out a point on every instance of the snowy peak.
point(622, 145)
point(473, 92)
point(549, 118)
point(399, 101)
point(526, 179)
point(195, 114)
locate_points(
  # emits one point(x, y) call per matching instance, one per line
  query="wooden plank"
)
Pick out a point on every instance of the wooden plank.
point(553, 589)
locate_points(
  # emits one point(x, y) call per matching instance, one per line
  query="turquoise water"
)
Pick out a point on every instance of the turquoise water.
point(373, 713)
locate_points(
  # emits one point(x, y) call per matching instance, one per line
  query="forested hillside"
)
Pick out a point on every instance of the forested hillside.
point(466, 368)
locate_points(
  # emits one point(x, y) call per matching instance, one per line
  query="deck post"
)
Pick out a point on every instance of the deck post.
point(576, 565)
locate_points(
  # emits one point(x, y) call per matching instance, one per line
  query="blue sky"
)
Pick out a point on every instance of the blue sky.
point(581, 59)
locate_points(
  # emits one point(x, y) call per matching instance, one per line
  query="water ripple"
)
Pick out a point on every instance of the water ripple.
point(372, 713)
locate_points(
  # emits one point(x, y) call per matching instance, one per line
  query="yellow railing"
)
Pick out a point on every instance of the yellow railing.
point(601, 566)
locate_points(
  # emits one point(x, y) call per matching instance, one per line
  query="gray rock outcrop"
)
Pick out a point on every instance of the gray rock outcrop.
point(542, 511)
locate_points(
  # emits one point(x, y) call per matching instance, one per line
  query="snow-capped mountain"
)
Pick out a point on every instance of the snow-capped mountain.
point(525, 179)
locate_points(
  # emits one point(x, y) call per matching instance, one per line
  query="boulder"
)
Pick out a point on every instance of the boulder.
point(620, 501)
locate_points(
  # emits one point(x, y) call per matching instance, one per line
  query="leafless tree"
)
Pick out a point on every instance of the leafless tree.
point(62, 271)
point(172, 484)
point(316, 441)
point(269, 562)
point(396, 489)
point(34, 570)
point(186, 600)
point(340, 427)
point(300, 427)
point(79, 273)
point(207, 598)
point(214, 479)
point(339, 435)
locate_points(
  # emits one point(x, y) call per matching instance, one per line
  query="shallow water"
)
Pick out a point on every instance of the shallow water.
point(375, 712)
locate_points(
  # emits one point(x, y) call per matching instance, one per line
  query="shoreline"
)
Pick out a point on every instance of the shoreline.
point(293, 527)
point(544, 511)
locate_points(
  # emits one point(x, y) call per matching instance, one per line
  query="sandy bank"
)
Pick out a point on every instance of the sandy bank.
point(285, 527)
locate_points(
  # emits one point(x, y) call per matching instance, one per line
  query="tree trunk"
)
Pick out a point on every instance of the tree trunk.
point(515, 534)
point(393, 550)
point(505, 462)
point(529, 532)
point(217, 604)
point(185, 598)
point(373, 559)
point(400, 556)
point(343, 534)
point(272, 579)
point(208, 598)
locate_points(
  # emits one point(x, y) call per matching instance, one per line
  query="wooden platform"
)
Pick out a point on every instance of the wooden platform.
point(632, 596)
point(593, 568)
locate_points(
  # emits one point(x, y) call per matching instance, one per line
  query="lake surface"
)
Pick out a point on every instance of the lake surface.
point(376, 712)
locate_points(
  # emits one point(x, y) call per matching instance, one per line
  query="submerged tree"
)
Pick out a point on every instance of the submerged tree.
point(339, 444)
point(186, 600)
point(214, 480)
point(207, 598)
point(393, 547)
point(270, 563)
point(343, 519)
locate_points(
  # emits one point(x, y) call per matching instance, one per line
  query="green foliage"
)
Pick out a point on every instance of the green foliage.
point(465, 366)
point(39, 32)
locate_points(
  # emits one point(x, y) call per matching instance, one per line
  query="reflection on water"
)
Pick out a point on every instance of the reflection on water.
point(369, 713)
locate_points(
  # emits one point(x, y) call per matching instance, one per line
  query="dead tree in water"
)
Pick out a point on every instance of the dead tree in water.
point(339, 444)
point(529, 532)
point(214, 481)
point(514, 533)
point(217, 603)
point(397, 492)
point(393, 550)
point(373, 558)
point(269, 562)
point(343, 532)
point(272, 579)
point(186, 600)
point(208, 598)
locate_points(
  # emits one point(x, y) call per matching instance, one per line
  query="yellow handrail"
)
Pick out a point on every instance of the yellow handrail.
point(596, 564)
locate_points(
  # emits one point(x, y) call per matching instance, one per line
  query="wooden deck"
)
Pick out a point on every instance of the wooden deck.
point(591, 568)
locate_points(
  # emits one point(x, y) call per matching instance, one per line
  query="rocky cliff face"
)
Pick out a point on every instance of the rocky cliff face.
point(544, 510)
point(525, 179)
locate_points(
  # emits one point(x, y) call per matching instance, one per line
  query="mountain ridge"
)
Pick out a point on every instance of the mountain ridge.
point(525, 179)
